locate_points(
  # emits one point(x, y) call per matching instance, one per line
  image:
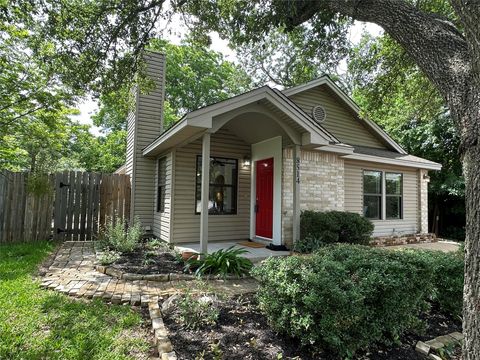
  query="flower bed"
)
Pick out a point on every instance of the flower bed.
point(240, 331)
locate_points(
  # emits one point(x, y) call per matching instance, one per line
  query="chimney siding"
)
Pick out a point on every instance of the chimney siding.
point(145, 124)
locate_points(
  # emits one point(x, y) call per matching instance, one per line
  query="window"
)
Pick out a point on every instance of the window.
point(393, 193)
point(161, 180)
point(372, 194)
point(222, 199)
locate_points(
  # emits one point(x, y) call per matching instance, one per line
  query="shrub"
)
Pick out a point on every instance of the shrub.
point(196, 313)
point(344, 297)
point(308, 244)
point(221, 262)
point(448, 277)
point(335, 226)
point(121, 238)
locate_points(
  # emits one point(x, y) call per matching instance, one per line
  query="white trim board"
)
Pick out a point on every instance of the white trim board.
point(264, 150)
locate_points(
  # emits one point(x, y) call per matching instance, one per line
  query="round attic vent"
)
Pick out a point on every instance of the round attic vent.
point(319, 114)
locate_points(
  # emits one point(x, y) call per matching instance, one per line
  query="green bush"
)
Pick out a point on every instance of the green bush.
point(221, 262)
point(335, 226)
point(448, 276)
point(121, 238)
point(344, 297)
point(196, 313)
point(308, 244)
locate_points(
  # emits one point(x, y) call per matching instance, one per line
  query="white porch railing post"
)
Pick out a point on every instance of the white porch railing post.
point(296, 193)
point(204, 193)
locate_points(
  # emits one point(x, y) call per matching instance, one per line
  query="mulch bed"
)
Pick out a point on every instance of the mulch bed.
point(149, 261)
point(242, 332)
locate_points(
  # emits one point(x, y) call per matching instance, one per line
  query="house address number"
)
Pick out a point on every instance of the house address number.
point(297, 170)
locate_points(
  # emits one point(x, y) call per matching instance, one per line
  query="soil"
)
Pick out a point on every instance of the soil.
point(145, 260)
point(242, 332)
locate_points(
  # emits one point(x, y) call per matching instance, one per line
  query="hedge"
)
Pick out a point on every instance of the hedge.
point(345, 297)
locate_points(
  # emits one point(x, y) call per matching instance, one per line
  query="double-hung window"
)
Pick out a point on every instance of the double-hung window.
point(393, 193)
point(222, 190)
point(382, 195)
point(372, 194)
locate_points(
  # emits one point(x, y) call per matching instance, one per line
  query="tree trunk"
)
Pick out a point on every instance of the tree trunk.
point(471, 293)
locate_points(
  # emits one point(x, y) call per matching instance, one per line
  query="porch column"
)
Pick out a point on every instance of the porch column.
point(204, 193)
point(296, 193)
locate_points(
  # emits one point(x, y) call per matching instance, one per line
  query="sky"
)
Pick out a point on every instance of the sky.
point(175, 35)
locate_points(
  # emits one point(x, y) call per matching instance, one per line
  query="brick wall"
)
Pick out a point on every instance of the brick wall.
point(321, 186)
point(423, 201)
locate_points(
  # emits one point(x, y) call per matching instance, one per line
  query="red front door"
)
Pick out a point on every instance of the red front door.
point(264, 197)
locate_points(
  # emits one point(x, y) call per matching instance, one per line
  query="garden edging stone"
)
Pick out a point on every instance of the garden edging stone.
point(430, 348)
point(114, 272)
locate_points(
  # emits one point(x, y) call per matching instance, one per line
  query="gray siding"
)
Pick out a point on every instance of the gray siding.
point(145, 127)
point(340, 120)
point(162, 220)
point(186, 224)
point(354, 197)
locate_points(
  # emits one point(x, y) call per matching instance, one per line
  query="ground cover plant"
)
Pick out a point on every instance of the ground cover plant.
point(41, 324)
point(344, 298)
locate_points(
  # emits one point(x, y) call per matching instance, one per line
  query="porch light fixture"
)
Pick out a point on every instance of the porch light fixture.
point(246, 161)
point(426, 177)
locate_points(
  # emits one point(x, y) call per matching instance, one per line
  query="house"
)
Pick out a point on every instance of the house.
point(245, 167)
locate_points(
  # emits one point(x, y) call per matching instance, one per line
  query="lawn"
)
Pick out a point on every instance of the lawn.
point(41, 324)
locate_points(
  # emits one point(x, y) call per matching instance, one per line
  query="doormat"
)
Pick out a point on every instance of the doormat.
point(251, 244)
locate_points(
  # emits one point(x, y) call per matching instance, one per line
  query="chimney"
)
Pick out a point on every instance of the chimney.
point(145, 124)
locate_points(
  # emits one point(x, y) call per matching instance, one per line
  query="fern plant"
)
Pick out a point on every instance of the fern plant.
point(221, 262)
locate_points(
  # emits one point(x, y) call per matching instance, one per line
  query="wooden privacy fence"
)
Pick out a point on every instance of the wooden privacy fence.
point(73, 206)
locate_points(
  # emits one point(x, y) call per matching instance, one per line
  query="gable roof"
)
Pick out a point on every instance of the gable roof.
point(201, 120)
point(373, 127)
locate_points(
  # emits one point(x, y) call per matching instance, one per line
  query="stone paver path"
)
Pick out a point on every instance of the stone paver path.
point(73, 272)
point(445, 246)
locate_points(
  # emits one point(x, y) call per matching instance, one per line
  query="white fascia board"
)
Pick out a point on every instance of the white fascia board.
point(382, 160)
point(307, 86)
point(169, 133)
point(338, 149)
point(229, 104)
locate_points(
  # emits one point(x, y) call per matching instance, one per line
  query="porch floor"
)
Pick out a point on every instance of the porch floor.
point(254, 254)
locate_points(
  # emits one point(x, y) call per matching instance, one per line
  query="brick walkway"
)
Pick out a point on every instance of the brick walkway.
point(72, 272)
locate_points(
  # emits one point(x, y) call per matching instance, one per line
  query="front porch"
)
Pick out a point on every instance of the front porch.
point(254, 254)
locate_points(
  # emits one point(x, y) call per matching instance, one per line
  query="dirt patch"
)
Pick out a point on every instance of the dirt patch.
point(242, 332)
point(147, 260)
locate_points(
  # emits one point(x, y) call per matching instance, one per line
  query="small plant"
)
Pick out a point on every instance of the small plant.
point(154, 244)
point(308, 244)
point(196, 313)
point(108, 257)
point(121, 238)
point(221, 262)
point(216, 350)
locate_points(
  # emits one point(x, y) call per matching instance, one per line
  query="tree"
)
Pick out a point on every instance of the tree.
point(293, 58)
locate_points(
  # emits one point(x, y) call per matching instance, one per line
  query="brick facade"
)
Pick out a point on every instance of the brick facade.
point(321, 185)
point(423, 180)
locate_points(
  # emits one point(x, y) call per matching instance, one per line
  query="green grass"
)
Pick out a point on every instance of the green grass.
point(41, 324)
